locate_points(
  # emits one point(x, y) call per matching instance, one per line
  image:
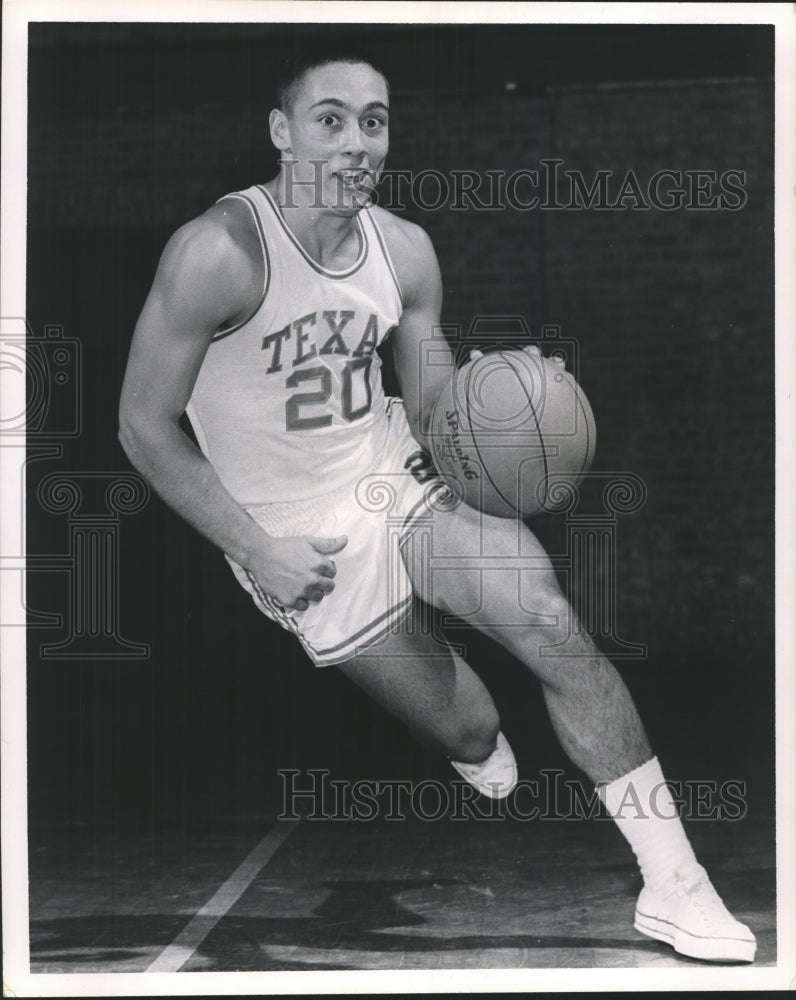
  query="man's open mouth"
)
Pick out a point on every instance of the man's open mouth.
point(359, 179)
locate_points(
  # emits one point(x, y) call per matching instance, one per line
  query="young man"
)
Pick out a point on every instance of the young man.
point(263, 323)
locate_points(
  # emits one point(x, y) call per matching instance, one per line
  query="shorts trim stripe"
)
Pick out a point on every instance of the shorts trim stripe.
point(426, 505)
point(343, 650)
point(351, 647)
point(354, 640)
point(274, 608)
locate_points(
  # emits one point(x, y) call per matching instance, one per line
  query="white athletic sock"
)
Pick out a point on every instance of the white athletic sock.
point(642, 807)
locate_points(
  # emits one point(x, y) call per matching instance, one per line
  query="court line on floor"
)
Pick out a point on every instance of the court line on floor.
point(176, 954)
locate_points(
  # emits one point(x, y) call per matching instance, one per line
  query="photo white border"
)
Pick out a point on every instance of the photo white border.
point(18, 981)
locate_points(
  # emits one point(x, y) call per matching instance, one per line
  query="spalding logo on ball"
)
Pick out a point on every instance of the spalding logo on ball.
point(506, 426)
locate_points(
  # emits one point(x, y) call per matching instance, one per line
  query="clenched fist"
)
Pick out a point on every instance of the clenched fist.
point(296, 571)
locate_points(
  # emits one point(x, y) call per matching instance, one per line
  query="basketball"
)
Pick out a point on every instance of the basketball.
point(507, 426)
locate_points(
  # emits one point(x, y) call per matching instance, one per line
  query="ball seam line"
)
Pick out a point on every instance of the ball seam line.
point(475, 443)
point(538, 431)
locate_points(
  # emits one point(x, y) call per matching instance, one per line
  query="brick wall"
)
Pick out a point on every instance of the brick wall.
point(490, 259)
point(675, 314)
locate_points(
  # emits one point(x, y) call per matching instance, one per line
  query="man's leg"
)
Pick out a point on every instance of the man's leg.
point(525, 611)
point(494, 574)
point(430, 689)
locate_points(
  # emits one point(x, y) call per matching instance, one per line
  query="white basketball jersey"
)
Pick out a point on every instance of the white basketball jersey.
point(290, 403)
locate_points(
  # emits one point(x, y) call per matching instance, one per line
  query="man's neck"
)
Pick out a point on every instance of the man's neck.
point(325, 235)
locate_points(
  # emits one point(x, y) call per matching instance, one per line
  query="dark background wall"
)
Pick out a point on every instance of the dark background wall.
point(134, 129)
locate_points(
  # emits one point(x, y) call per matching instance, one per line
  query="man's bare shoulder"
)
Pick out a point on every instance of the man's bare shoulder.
point(224, 234)
point(215, 258)
point(404, 238)
point(411, 251)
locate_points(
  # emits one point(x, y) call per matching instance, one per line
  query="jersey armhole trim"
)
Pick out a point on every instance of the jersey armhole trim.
point(266, 265)
point(386, 254)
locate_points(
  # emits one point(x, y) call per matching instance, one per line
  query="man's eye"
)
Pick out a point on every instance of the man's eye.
point(371, 124)
point(329, 120)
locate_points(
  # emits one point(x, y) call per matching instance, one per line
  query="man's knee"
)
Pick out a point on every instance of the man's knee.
point(541, 595)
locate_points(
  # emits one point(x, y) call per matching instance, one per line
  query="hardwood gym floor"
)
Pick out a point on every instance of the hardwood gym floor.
point(249, 894)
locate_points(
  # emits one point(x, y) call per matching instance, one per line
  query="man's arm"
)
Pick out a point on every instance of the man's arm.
point(423, 360)
point(204, 280)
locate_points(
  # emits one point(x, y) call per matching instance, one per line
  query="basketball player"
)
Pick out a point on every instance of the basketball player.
point(263, 323)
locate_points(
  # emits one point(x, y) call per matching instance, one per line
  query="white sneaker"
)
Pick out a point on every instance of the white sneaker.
point(689, 915)
point(497, 775)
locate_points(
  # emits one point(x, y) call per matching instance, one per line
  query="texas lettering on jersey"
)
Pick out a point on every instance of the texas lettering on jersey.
point(306, 331)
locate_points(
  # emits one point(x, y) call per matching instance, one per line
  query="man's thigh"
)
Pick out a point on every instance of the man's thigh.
point(488, 571)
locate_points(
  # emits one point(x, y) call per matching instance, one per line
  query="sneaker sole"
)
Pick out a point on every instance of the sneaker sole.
point(708, 949)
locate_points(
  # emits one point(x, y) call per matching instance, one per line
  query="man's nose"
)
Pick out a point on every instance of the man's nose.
point(354, 140)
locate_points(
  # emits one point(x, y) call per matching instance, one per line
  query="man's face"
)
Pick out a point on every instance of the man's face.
point(340, 118)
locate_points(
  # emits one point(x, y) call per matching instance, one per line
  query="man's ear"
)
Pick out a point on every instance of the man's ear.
point(280, 130)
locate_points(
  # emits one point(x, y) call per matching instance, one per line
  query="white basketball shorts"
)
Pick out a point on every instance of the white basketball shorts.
point(377, 512)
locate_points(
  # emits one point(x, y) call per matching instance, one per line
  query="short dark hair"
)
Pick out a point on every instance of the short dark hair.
point(294, 68)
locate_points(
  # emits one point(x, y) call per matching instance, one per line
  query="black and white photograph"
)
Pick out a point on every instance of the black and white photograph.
point(396, 443)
